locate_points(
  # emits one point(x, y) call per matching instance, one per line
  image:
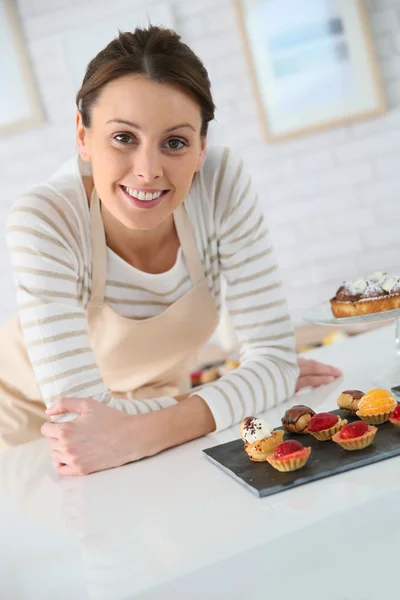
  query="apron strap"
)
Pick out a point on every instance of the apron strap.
point(99, 252)
point(189, 246)
point(99, 249)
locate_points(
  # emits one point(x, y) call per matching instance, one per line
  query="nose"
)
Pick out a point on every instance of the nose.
point(147, 163)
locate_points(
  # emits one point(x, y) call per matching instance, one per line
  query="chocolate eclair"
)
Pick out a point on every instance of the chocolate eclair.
point(295, 419)
point(349, 399)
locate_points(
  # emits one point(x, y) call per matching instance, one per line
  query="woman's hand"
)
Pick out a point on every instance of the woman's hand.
point(314, 373)
point(99, 438)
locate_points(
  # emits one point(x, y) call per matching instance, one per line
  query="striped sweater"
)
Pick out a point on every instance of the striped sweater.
point(48, 236)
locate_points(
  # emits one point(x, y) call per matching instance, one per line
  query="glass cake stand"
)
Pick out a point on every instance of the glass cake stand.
point(322, 315)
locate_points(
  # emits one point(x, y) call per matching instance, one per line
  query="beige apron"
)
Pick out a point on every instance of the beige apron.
point(137, 358)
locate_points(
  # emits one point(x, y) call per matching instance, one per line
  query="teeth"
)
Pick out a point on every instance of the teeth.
point(141, 195)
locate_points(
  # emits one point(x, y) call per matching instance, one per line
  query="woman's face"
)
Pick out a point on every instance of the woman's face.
point(145, 147)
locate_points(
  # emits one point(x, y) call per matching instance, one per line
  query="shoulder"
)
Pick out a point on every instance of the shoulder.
point(55, 210)
point(220, 165)
point(60, 199)
point(216, 180)
point(223, 183)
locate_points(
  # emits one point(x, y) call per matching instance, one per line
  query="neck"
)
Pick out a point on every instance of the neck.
point(153, 250)
point(139, 248)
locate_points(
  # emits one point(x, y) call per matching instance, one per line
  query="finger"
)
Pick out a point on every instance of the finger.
point(313, 367)
point(68, 405)
point(68, 470)
point(55, 444)
point(59, 457)
point(51, 430)
point(65, 470)
point(313, 381)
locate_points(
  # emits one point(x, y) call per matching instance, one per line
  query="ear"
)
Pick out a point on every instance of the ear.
point(202, 154)
point(81, 138)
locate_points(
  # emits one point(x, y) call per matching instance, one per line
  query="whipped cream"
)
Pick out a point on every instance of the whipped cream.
point(389, 284)
point(360, 285)
point(377, 276)
point(255, 429)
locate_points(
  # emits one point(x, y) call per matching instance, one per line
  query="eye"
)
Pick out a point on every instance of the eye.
point(123, 138)
point(176, 144)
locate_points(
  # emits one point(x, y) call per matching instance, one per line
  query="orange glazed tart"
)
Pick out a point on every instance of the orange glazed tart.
point(355, 436)
point(260, 439)
point(395, 416)
point(289, 456)
point(375, 406)
point(323, 426)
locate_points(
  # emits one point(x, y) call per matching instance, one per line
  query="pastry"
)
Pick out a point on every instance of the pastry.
point(323, 426)
point(348, 401)
point(208, 375)
point(231, 364)
point(228, 366)
point(195, 377)
point(289, 456)
point(376, 293)
point(375, 406)
point(395, 416)
point(295, 419)
point(355, 436)
point(260, 439)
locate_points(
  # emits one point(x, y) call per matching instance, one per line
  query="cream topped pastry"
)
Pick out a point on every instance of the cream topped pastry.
point(375, 293)
point(254, 429)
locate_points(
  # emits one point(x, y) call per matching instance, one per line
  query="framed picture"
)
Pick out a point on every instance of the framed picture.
point(312, 62)
point(19, 100)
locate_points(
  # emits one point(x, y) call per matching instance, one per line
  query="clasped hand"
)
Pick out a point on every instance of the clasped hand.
point(99, 438)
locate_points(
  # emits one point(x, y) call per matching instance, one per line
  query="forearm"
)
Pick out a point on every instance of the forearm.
point(187, 420)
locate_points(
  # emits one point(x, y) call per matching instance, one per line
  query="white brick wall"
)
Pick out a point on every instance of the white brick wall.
point(332, 199)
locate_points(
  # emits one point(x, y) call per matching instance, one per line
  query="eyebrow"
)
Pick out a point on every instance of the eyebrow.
point(124, 122)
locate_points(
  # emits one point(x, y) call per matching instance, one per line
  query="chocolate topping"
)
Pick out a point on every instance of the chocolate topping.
point(292, 415)
point(250, 424)
point(356, 394)
point(345, 294)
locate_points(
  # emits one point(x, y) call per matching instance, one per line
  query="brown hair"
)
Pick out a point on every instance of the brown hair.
point(156, 53)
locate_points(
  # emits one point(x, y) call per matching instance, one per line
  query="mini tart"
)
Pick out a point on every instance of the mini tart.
point(259, 450)
point(208, 375)
point(348, 401)
point(231, 364)
point(296, 419)
point(376, 406)
point(290, 462)
point(355, 443)
point(395, 416)
point(324, 435)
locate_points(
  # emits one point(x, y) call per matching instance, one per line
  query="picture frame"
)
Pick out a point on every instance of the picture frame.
point(20, 105)
point(311, 69)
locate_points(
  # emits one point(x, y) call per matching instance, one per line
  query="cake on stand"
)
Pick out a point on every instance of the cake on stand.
point(322, 315)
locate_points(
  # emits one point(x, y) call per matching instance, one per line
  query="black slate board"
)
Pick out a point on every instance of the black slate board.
point(327, 458)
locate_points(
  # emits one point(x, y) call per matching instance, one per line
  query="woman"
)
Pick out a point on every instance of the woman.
point(116, 296)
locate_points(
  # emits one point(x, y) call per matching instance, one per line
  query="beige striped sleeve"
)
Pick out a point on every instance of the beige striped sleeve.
point(48, 266)
point(257, 307)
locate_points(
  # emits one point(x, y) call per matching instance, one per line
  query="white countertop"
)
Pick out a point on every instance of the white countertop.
point(176, 527)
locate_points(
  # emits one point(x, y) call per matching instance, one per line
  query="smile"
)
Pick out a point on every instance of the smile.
point(142, 199)
point(144, 196)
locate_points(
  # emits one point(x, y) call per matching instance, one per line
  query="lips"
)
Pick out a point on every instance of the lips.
point(144, 203)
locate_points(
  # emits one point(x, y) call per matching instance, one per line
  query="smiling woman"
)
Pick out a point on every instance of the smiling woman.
point(117, 262)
